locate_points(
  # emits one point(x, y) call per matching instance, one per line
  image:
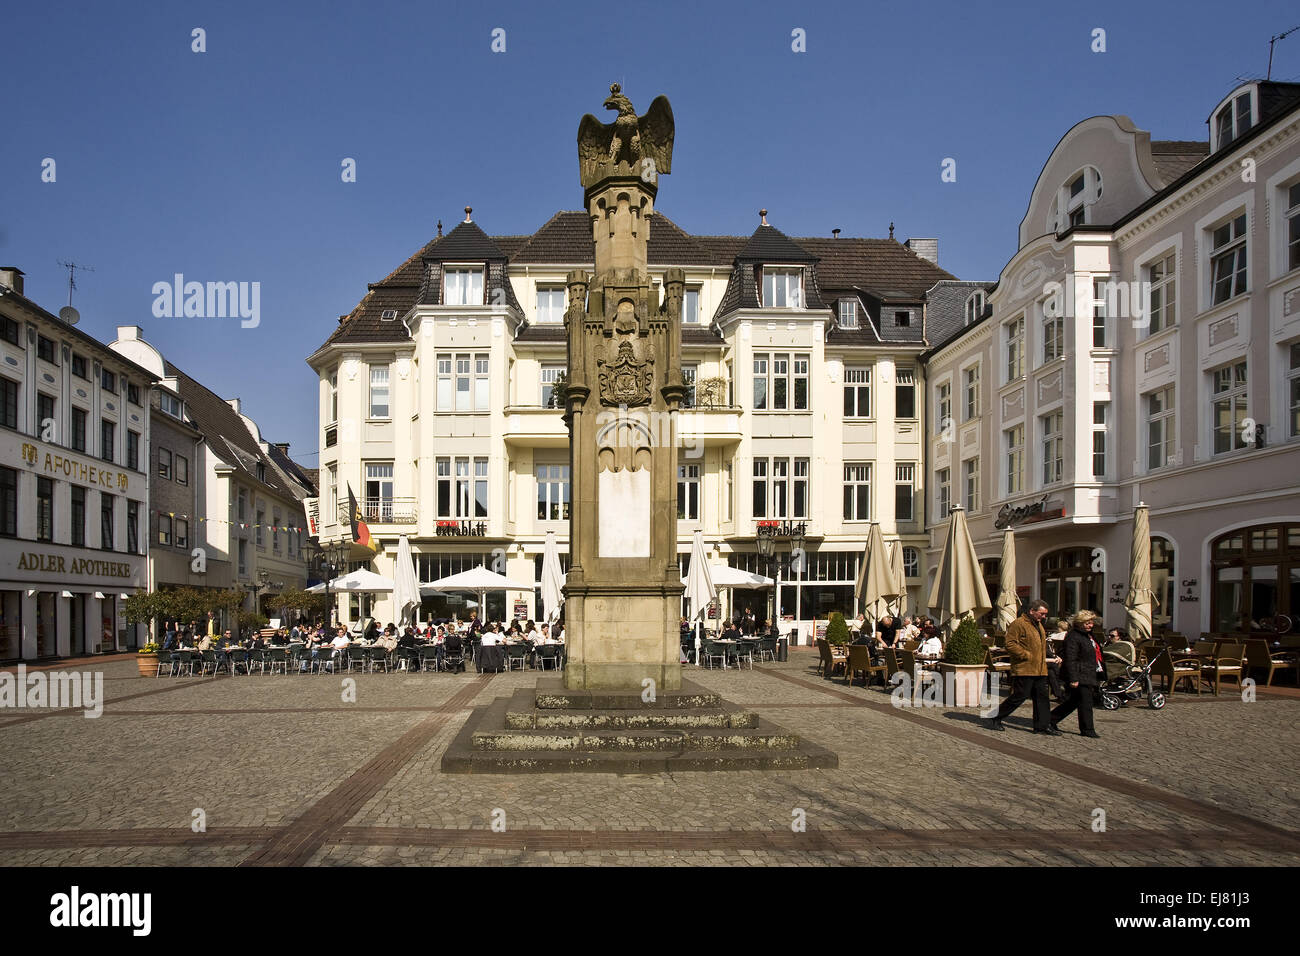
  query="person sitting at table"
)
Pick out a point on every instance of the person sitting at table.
point(908, 631)
point(932, 646)
point(489, 638)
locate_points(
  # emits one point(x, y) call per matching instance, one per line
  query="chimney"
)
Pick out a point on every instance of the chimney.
point(283, 446)
point(835, 233)
point(234, 403)
point(129, 333)
point(12, 277)
point(925, 248)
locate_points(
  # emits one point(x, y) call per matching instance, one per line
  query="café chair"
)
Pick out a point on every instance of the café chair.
point(1229, 662)
point(1259, 655)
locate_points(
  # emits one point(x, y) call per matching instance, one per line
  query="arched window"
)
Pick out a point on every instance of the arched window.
point(1067, 582)
point(1070, 207)
point(1255, 580)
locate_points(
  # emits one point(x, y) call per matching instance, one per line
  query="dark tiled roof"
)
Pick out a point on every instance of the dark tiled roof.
point(770, 244)
point(945, 312)
point(566, 238)
point(290, 469)
point(466, 243)
point(548, 332)
point(226, 434)
point(365, 323)
point(879, 265)
point(312, 475)
point(1173, 157)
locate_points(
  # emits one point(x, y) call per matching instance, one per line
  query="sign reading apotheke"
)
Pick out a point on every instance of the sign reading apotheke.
point(54, 564)
point(62, 466)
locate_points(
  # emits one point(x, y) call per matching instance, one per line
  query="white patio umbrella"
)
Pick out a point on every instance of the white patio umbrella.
point(958, 585)
point(700, 590)
point(360, 581)
point(725, 577)
point(899, 575)
point(406, 584)
point(478, 580)
point(875, 585)
point(552, 579)
point(1008, 601)
point(1140, 598)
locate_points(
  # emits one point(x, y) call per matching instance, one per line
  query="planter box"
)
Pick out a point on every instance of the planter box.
point(963, 684)
point(148, 664)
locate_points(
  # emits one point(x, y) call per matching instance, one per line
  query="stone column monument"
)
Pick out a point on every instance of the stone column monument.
point(624, 389)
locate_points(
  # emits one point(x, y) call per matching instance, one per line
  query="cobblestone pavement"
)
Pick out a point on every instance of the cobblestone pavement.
point(285, 770)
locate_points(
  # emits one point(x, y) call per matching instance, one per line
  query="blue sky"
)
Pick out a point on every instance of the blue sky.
point(225, 165)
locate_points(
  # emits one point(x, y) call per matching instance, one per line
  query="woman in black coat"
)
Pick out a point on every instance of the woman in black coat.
point(1080, 671)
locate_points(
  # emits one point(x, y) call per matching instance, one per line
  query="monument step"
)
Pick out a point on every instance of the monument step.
point(606, 740)
point(549, 761)
point(551, 694)
point(683, 718)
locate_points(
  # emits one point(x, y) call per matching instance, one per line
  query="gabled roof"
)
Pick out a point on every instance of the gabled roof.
point(466, 243)
point(770, 244)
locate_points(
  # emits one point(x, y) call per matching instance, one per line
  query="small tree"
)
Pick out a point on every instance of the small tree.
point(296, 599)
point(559, 388)
point(837, 632)
point(711, 393)
point(964, 646)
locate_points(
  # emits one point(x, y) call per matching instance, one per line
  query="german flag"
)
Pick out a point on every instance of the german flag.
point(360, 530)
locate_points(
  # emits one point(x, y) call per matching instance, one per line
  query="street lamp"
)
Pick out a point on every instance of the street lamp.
point(767, 549)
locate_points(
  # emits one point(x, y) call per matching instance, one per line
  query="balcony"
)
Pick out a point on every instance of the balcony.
point(707, 426)
point(383, 511)
point(535, 427)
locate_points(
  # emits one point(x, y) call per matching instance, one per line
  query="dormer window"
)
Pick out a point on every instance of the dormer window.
point(1233, 119)
point(902, 320)
point(782, 288)
point(1070, 207)
point(550, 304)
point(462, 285)
point(974, 307)
point(848, 313)
point(169, 403)
point(691, 307)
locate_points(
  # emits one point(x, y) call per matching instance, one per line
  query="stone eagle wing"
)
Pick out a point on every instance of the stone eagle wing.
point(593, 145)
point(657, 130)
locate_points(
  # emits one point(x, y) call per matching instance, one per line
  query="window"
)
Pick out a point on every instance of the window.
point(261, 471)
point(108, 381)
point(782, 289)
point(378, 505)
point(480, 487)
point(786, 386)
point(164, 529)
point(78, 538)
point(1228, 260)
point(459, 495)
point(857, 491)
point(1293, 389)
point(857, 393)
point(243, 557)
point(902, 319)
point(1230, 407)
point(905, 393)
point(904, 492)
point(242, 509)
point(1068, 584)
point(165, 467)
point(691, 307)
point(463, 287)
point(463, 383)
point(107, 440)
point(106, 504)
point(1232, 120)
point(332, 396)
point(133, 527)
point(133, 393)
point(727, 489)
point(9, 330)
point(46, 350)
point(331, 492)
point(1160, 428)
point(688, 492)
point(1070, 207)
point(942, 493)
point(44, 509)
point(257, 528)
point(760, 487)
point(170, 404)
point(1161, 278)
point(800, 488)
point(971, 468)
point(779, 489)
point(183, 470)
point(1255, 574)
point(182, 533)
point(8, 403)
point(1099, 288)
point(848, 313)
point(79, 365)
point(1014, 336)
point(760, 384)
point(943, 407)
point(550, 375)
point(971, 386)
point(79, 429)
point(974, 308)
point(1100, 423)
point(1014, 440)
point(1293, 227)
point(911, 563)
point(45, 417)
point(550, 304)
point(689, 375)
point(1052, 426)
point(379, 391)
point(8, 502)
point(553, 492)
point(1053, 338)
point(133, 450)
point(275, 529)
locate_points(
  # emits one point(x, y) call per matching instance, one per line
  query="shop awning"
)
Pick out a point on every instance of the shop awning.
point(99, 594)
point(66, 594)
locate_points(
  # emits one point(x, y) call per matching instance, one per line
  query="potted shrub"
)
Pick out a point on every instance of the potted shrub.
point(963, 658)
point(837, 632)
point(147, 659)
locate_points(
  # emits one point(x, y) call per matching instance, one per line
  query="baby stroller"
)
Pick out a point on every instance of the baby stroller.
point(1126, 682)
point(454, 655)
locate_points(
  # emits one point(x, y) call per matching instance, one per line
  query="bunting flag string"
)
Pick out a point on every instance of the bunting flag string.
point(241, 524)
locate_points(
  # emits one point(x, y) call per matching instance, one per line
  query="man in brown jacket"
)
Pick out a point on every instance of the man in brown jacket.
point(1026, 642)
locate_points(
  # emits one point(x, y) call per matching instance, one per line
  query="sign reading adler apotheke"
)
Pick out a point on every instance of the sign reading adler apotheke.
point(55, 564)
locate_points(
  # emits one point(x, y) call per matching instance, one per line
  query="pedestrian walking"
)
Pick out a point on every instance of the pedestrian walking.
point(1081, 671)
point(1026, 642)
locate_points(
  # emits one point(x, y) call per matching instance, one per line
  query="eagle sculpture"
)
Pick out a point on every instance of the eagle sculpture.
point(630, 139)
